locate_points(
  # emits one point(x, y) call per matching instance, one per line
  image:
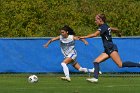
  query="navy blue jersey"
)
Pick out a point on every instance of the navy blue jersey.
point(105, 33)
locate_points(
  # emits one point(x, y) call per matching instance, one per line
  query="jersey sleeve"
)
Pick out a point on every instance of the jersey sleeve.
point(101, 29)
point(71, 37)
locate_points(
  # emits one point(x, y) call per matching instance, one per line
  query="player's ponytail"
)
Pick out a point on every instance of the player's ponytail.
point(67, 28)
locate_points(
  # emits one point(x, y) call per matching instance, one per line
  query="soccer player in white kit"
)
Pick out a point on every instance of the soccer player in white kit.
point(67, 45)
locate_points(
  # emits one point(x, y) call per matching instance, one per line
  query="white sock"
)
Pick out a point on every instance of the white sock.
point(92, 71)
point(65, 69)
point(83, 69)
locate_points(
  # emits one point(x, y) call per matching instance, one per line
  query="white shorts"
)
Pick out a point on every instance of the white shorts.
point(71, 55)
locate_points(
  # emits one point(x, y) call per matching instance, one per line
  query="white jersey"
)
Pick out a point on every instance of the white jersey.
point(68, 46)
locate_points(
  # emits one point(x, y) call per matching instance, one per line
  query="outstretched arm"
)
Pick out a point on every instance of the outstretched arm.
point(91, 35)
point(53, 39)
point(116, 31)
point(83, 40)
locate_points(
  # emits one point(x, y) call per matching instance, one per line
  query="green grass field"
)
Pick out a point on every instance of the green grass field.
point(18, 83)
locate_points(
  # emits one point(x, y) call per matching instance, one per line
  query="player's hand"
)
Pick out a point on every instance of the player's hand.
point(86, 43)
point(46, 45)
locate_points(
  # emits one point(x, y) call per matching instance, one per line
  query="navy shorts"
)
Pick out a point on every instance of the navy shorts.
point(109, 49)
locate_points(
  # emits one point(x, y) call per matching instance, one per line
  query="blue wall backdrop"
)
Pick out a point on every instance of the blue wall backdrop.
point(29, 55)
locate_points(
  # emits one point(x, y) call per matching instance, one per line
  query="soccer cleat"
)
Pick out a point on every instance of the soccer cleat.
point(92, 80)
point(66, 78)
point(100, 72)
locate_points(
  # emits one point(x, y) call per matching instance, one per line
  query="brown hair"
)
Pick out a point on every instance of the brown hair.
point(102, 16)
point(67, 28)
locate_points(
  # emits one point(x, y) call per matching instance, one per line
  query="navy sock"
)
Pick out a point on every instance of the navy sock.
point(96, 71)
point(130, 64)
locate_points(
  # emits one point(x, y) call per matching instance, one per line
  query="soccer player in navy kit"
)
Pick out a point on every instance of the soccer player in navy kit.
point(110, 49)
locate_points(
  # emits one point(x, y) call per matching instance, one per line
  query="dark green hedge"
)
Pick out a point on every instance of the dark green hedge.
point(41, 18)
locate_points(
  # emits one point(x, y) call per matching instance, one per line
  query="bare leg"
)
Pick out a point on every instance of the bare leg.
point(116, 58)
point(99, 59)
point(78, 67)
point(67, 60)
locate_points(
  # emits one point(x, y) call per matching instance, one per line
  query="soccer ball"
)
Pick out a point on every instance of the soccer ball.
point(32, 79)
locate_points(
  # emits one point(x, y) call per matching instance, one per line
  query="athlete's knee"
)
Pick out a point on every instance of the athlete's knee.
point(119, 65)
point(63, 64)
point(96, 61)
